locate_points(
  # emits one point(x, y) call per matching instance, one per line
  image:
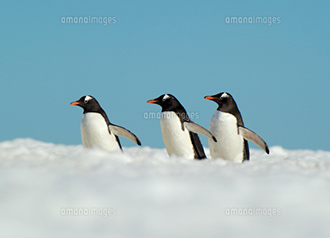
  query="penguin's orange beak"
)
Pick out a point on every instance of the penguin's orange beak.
point(209, 97)
point(75, 103)
point(152, 101)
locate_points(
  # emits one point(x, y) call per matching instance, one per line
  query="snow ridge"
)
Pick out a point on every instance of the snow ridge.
point(152, 195)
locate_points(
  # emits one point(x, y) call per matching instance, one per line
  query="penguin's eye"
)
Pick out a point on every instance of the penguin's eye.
point(86, 101)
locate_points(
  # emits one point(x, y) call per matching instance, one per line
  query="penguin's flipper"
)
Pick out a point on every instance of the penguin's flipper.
point(121, 131)
point(193, 127)
point(252, 136)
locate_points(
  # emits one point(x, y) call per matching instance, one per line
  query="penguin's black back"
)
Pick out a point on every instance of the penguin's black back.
point(198, 147)
point(194, 138)
point(246, 151)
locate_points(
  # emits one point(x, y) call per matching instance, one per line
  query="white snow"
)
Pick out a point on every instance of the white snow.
point(145, 193)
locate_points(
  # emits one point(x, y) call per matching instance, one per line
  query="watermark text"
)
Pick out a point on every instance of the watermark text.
point(85, 211)
point(159, 115)
point(253, 20)
point(253, 211)
point(96, 20)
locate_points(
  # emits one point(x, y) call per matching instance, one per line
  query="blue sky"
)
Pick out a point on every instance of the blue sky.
point(278, 74)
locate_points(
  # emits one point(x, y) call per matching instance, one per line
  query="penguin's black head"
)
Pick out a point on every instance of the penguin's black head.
point(167, 101)
point(225, 102)
point(88, 103)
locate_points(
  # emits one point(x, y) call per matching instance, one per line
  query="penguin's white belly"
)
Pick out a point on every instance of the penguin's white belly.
point(230, 144)
point(94, 132)
point(177, 141)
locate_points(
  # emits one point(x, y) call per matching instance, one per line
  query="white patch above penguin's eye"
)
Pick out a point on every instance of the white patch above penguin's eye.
point(224, 95)
point(166, 96)
point(87, 99)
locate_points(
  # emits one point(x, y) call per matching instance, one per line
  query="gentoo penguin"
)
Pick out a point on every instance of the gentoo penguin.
point(97, 130)
point(179, 132)
point(228, 127)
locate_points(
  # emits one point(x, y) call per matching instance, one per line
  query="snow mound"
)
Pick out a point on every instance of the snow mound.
point(53, 190)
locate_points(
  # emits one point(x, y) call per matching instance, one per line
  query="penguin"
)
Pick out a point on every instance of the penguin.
point(228, 127)
point(178, 131)
point(97, 130)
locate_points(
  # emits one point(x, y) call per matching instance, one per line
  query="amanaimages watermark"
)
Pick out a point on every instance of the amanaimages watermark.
point(246, 20)
point(89, 20)
point(88, 211)
point(253, 211)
